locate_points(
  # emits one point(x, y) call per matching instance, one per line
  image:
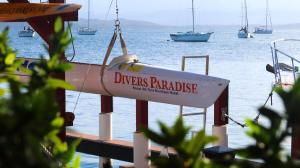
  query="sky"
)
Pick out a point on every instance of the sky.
point(178, 12)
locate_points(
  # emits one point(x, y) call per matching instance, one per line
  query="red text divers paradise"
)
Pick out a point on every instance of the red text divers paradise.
point(155, 83)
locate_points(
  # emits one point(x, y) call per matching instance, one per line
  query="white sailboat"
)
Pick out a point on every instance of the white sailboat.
point(87, 30)
point(26, 32)
point(244, 31)
point(191, 36)
point(266, 29)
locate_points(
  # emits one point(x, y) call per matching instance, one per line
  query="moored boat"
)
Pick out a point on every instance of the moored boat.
point(244, 31)
point(191, 36)
point(266, 29)
point(87, 30)
point(27, 32)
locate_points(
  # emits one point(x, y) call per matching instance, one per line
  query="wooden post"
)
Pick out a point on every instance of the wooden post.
point(141, 114)
point(220, 121)
point(141, 143)
point(295, 149)
point(105, 126)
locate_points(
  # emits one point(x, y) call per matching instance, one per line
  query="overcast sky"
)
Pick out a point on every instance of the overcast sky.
point(178, 12)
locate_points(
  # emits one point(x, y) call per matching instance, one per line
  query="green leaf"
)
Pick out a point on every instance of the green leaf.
point(25, 70)
point(57, 122)
point(58, 25)
point(56, 83)
point(155, 137)
point(2, 92)
point(68, 155)
point(9, 60)
point(3, 79)
point(65, 66)
point(76, 162)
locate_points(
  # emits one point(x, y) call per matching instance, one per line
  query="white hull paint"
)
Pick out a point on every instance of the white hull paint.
point(86, 31)
point(191, 37)
point(242, 34)
point(146, 82)
point(263, 31)
point(26, 33)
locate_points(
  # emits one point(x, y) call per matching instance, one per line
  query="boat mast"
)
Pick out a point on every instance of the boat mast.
point(267, 9)
point(193, 16)
point(246, 15)
point(242, 13)
point(88, 13)
point(271, 26)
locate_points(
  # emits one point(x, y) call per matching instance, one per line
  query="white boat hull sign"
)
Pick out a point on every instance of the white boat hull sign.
point(146, 82)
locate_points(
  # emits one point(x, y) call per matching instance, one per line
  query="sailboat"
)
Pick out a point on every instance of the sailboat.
point(191, 36)
point(26, 32)
point(265, 29)
point(244, 31)
point(87, 30)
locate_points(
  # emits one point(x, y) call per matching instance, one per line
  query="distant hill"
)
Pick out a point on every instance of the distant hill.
point(124, 22)
point(139, 23)
point(291, 25)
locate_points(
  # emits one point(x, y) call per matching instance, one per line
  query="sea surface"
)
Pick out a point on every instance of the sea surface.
point(242, 61)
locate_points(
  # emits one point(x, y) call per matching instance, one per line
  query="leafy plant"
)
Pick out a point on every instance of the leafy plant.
point(29, 113)
point(189, 151)
point(269, 139)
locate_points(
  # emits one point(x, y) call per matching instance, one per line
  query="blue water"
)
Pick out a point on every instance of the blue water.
point(242, 61)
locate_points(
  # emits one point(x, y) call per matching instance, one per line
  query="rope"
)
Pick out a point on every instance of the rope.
point(117, 32)
point(108, 10)
point(72, 42)
point(110, 47)
point(82, 86)
point(270, 97)
point(123, 45)
point(243, 125)
point(236, 122)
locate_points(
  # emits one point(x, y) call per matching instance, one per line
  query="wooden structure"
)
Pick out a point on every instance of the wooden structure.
point(117, 149)
point(103, 145)
point(44, 26)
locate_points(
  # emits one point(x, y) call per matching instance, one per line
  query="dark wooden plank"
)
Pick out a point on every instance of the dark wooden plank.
point(115, 149)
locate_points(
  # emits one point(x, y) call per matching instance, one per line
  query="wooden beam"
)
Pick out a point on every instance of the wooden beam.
point(66, 17)
point(44, 25)
point(115, 149)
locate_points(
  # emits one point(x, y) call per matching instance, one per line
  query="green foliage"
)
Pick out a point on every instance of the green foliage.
point(189, 151)
point(269, 139)
point(29, 114)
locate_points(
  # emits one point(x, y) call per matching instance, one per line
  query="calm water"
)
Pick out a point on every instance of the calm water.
point(242, 61)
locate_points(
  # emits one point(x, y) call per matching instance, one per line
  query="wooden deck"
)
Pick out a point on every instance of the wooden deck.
point(115, 149)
